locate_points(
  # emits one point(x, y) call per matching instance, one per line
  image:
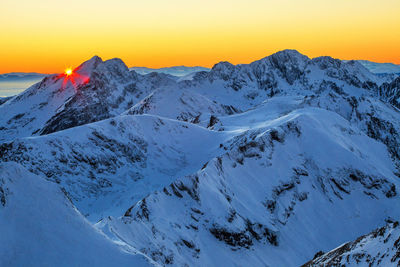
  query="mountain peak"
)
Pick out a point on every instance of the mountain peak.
point(222, 65)
point(284, 59)
point(223, 69)
point(88, 66)
point(289, 55)
point(326, 61)
point(116, 63)
point(289, 52)
point(290, 64)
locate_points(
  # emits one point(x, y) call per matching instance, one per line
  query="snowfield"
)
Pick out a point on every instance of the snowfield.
point(41, 227)
point(264, 164)
point(277, 192)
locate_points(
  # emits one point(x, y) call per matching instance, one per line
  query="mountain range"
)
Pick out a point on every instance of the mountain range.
point(14, 83)
point(271, 163)
point(380, 68)
point(178, 71)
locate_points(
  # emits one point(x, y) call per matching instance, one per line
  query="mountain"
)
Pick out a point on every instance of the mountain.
point(97, 90)
point(18, 76)
point(179, 71)
point(15, 82)
point(244, 86)
point(261, 164)
point(104, 166)
point(41, 227)
point(380, 68)
point(379, 248)
point(280, 186)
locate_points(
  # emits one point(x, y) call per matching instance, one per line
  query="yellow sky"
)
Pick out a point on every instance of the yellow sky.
point(49, 35)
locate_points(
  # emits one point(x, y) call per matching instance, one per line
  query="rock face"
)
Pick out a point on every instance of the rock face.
point(263, 164)
point(390, 92)
point(378, 248)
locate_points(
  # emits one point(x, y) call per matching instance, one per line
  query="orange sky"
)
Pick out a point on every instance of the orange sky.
point(49, 35)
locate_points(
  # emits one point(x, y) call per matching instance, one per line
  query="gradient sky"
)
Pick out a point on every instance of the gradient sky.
point(49, 35)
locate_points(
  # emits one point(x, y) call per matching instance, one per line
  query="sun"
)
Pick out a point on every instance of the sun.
point(68, 71)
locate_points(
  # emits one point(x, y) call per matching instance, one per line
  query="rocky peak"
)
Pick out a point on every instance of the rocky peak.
point(88, 66)
point(114, 69)
point(326, 62)
point(223, 69)
point(289, 64)
point(285, 58)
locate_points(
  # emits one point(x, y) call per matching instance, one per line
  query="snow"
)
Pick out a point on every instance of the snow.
point(380, 68)
point(242, 182)
point(260, 164)
point(40, 227)
point(106, 165)
point(379, 248)
point(179, 71)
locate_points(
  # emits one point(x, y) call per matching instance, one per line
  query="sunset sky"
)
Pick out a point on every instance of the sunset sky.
point(49, 35)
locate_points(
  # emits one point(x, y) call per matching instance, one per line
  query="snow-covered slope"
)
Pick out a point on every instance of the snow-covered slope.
point(97, 90)
point(4, 99)
point(379, 248)
point(242, 87)
point(283, 189)
point(181, 104)
point(380, 68)
point(260, 164)
point(100, 90)
point(106, 165)
point(40, 227)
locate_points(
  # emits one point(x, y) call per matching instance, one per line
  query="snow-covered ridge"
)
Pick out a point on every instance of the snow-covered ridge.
point(178, 71)
point(378, 248)
point(380, 68)
point(41, 227)
point(102, 90)
point(105, 165)
point(260, 164)
point(250, 205)
point(97, 90)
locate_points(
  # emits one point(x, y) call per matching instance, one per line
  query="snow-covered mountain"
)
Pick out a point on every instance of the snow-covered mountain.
point(18, 76)
point(380, 68)
point(379, 248)
point(260, 164)
point(97, 90)
point(280, 189)
point(105, 166)
point(15, 82)
point(41, 227)
point(178, 71)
